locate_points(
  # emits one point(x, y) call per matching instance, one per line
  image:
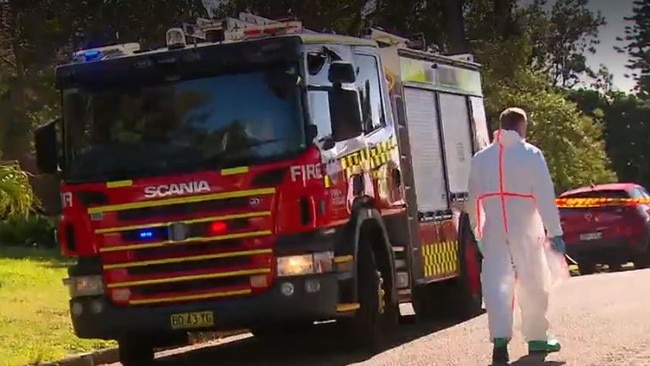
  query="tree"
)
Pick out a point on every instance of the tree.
point(16, 197)
point(637, 36)
point(572, 142)
point(627, 125)
point(564, 37)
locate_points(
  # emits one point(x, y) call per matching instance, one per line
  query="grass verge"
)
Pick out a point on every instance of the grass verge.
point(34, 319)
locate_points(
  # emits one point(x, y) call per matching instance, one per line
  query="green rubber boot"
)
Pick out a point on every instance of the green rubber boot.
point(548, 346)
point(500, 355)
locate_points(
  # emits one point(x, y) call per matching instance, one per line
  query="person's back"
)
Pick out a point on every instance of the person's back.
point(503, 189)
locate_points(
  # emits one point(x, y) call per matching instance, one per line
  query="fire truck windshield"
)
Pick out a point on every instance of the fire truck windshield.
point(180, 126)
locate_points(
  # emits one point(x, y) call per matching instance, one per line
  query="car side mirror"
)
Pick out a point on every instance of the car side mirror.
point(341, 72)
point(47, 149)
point(345, 114)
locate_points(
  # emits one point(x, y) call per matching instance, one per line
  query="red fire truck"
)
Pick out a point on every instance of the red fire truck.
point(254, 174)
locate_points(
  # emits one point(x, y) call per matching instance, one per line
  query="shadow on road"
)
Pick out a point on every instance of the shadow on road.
point(536, 360)
point(322, 346)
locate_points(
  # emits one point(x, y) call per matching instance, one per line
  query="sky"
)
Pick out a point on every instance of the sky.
point(614, 11)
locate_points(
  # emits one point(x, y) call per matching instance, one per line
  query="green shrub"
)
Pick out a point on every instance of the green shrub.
point(33, 230)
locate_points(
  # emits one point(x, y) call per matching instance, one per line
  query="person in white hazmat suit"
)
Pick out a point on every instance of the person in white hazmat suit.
point(511, 201)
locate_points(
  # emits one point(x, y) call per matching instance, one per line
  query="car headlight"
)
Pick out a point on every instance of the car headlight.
point(296, 265)
point(85, 285)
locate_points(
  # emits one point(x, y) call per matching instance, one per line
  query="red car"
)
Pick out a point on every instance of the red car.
point(612, 235)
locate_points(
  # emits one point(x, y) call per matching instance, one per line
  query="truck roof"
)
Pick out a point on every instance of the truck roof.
point(307, 38)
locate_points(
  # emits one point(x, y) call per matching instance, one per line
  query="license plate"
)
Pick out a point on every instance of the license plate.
point(201, 319)
point(590, 236)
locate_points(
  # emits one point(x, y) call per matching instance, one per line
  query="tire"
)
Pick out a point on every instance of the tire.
point(133, 352)
point(643, 261)
point(586, 268)
point(378, 313)
point(470, 291)
point(284, 331)
point(614, 267)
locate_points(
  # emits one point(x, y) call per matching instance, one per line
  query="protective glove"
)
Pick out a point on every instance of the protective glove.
point(557, 243)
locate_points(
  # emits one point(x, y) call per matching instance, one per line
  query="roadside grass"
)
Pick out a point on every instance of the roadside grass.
point(35, 323)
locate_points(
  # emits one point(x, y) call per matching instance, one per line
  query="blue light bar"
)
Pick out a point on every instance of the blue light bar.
point(91, 55)
point(146, 234)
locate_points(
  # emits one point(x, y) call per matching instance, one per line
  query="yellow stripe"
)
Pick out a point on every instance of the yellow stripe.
point(177, 200)
point(119, 183)
point(190, 297)
point(247, 272)
point(343, 259)
point(234, 171)
point(347, 307)
point(187, 259)
point(161, 224)
point(190, 240)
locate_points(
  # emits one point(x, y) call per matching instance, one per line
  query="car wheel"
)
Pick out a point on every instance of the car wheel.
point(587, 268)
point(643, 261)
point(615, 267)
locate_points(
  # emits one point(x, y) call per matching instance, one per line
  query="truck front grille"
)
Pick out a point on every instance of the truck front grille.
point(205, 265)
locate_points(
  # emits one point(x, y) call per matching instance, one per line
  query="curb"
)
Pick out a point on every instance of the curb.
point(111, 355)
point(100, 357)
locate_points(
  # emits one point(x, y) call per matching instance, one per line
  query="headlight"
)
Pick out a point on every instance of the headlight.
point(84, 286)
point(297, 265)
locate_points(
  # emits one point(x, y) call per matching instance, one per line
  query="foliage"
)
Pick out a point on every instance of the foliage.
point(34, 230)
point(34, 316)
point(637, 37)
point(627, 127)
point(572, 143)
point(16, 196)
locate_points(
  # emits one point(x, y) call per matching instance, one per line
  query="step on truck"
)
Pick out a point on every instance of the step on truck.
point(254, 174)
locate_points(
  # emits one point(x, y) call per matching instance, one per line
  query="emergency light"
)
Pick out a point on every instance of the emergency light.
point(145, 234)
point(176, 38)
point(101, 53)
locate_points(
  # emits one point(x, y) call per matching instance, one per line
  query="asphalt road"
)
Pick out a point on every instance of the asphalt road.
point(601, 319)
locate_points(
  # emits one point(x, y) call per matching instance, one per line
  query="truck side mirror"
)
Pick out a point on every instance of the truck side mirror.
point(341, 72)
point(47, 149)
point(345, 114)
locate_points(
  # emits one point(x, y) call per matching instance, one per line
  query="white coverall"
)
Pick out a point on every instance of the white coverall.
point(511, 200)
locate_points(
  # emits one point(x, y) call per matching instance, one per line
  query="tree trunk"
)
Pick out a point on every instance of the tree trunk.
point(503, 17)
point(455, 26)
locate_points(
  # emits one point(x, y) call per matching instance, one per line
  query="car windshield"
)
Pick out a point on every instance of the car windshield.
point(180, 126)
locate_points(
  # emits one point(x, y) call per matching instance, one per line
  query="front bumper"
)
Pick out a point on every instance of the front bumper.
point(115, 322)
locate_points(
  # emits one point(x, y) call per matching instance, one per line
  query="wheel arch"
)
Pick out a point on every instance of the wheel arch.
point(367, 226)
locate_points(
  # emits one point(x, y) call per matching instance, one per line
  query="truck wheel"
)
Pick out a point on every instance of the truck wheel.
point(135, 352)
point(467, 294)
point(424, 303)
point(369, 326)
point(469, 291)
point(291, 329)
